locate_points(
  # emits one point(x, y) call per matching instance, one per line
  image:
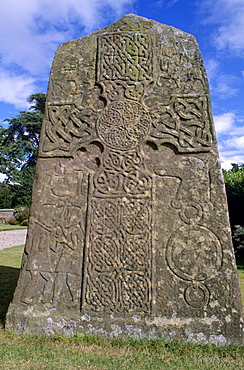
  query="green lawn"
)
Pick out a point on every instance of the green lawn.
point(10, 260)
point(86, 352)
point(11, 227)
point(240, 266)
point(83, 352)
point(11, 257)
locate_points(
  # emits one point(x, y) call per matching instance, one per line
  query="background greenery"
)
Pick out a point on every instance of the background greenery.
point(234, 183)
point(18, 153)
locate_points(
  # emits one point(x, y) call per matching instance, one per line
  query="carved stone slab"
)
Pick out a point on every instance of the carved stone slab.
point(129, 231)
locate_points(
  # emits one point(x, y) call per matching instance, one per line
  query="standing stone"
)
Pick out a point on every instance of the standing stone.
point(129, 230)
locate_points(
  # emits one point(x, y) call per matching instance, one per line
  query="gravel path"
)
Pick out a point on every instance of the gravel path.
point(11, 238)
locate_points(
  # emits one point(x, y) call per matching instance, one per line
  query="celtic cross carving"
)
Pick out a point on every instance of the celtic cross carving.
point(120, 196)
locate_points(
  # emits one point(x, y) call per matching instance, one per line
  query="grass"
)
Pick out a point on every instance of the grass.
point(240, 266)
point(10, 260)
point(4, 227)
point(12, 256)
point(94, 352)
point(83, 352)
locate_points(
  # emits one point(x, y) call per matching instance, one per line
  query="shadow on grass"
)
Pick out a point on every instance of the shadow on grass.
point(8, 281)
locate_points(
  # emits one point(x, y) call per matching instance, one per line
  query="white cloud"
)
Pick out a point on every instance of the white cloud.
point(172, 2)
point(235, 142)
point(31, 30)
point(229, 16)
point(212, 67)
point(14, 89)
point(224, 122)
point(230, 34)
point(230, 154)
point(168, 3)
point(227, 158)
point(222, 85)
point(230, 134)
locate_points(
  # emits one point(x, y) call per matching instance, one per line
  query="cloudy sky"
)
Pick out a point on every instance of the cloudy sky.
point(31, 31)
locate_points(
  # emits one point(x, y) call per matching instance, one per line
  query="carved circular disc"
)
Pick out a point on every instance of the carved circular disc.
point(123, 125)
point(194, 253)
point(197, 295)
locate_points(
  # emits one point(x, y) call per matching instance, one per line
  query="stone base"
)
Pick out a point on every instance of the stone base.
point(208, 330)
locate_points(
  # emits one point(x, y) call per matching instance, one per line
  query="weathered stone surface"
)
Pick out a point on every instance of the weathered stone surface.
point(129, 231)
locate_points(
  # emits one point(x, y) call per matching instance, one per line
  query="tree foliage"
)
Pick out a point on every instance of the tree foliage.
point(6, 196)
point(18, 150)
point(234, 183)
point(234, 179)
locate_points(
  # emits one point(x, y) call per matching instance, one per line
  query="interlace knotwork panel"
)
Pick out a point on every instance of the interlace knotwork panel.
point(118, 277)
point(185, 122)
point(122, 174)
point(125, 65)
point(119, 236)
point(126, 57)
point(66, 129)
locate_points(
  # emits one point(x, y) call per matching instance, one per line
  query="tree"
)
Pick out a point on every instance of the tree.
point(234, 183)
point(5, 196)
point(234, 179)
point(18, 149)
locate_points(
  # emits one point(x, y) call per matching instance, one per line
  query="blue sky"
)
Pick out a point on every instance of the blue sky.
point(31, 31)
